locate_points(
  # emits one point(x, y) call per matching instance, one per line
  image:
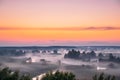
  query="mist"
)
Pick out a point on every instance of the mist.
point(46, 60)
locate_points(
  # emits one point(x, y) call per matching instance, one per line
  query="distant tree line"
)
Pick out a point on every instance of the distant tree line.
point(74, 54)
point(114, 58)
point(35, 51)
point(111, 58)
point(11, 52)
point(77, 55)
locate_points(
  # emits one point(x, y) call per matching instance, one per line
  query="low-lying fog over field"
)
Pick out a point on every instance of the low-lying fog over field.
point(37, 61)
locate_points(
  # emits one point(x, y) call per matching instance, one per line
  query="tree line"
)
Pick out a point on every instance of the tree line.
point(74, 54)
point(7, 74)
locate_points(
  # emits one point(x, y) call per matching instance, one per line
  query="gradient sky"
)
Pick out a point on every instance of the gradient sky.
point(59, 22)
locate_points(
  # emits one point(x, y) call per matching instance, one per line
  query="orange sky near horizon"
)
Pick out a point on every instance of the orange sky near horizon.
point(60, 35)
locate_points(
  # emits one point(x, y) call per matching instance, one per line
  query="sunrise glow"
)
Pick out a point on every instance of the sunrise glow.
point(59, 22)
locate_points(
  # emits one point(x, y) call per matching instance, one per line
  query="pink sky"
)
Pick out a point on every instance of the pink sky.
point(59, 22)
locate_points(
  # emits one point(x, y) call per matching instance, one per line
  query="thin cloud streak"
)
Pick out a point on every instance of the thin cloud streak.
point(66, 29)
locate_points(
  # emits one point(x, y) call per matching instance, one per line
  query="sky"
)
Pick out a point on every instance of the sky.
point(59, 22)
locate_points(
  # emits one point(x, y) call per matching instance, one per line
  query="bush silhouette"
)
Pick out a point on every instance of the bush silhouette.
point(102, 76)
point(59, 76)
point(7, 74)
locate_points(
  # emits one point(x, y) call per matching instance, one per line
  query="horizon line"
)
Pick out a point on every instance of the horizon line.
point(62, 28)
point(66, 46)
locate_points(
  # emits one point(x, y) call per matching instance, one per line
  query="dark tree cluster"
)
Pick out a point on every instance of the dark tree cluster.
point(91, 54)
point(109, 57)
point(7, 74)
point(55, 51)
point(11, 52)
point(102, 76)
point(59, 76)
point(86, 56)
point(72, 54)
point(35, 51)
point(70, 76)
point(77, 55)
point(114, 58)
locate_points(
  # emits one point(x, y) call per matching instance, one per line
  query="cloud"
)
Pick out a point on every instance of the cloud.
point(102, 28)
point(67, 28)
point(7, 28)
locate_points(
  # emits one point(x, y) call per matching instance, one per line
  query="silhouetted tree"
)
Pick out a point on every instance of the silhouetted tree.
point(7, 74)
point(100, 55)
point(102, 76)
point(72, 54)
point(59, 76)
point(92, 54)
point(25, 77)
point(111, 57)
